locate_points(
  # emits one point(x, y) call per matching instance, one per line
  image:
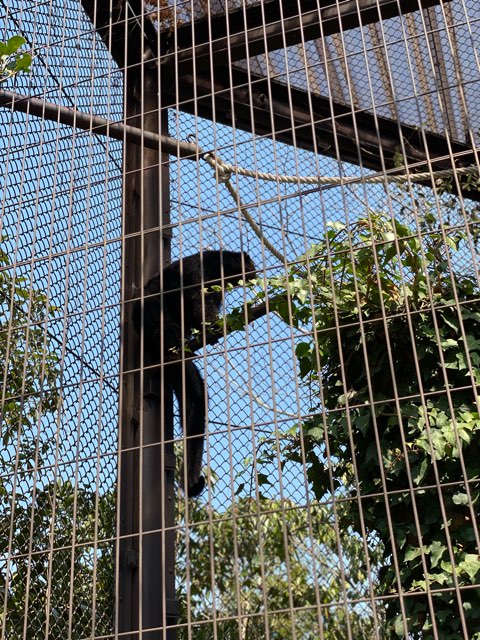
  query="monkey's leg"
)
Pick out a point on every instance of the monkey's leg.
point(192, 414)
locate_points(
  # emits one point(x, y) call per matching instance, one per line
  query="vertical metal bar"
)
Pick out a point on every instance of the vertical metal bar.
point(146, 502)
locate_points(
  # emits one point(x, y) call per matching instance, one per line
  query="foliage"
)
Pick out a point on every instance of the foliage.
point(12, 60)
point(394, 365)
point(52, 589)
point(250, 564)
point(41, 518)
point(29, 364)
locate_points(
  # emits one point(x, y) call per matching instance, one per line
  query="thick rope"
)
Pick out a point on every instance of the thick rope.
point(224, 171)
point(216, 163)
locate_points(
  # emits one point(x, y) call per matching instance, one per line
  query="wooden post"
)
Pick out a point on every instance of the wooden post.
point(146, 484)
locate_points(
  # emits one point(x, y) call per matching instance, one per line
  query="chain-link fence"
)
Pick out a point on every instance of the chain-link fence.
point(256, 221)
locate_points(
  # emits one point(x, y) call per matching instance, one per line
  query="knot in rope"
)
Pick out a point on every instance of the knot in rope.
point(223, 172)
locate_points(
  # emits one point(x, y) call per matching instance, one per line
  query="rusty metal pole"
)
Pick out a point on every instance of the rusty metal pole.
point(146, 483)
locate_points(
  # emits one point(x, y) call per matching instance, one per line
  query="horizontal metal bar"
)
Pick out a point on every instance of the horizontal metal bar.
point(98, 126)
point(292, 124)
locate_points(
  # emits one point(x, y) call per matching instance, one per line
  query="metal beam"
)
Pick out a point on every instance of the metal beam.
point(233, 36)
point(261, 25)
point(270, 26)
point(360, 136)
point(327, 126)
point(122, 25)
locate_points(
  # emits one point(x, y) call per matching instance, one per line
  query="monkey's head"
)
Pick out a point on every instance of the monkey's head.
point(237, 266)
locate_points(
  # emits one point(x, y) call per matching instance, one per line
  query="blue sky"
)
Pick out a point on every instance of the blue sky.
point(61, 212)
point(61, 208)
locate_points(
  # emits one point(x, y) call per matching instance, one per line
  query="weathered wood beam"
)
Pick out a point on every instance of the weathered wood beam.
point(312, 122)
point(270, 26)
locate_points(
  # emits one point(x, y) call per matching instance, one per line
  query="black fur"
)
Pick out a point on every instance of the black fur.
point(183, 284)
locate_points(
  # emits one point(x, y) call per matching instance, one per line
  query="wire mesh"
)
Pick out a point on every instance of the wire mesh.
point(341, 446)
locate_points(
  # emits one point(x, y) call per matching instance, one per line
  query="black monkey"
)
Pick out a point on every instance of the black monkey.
point(184, 282)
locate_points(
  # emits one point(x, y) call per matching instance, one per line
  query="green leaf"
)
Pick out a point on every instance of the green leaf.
point(302, 295)
point(390, 253)
point(302, 349)
point(462, 362)
point(14, 43)
point(363, 421)
point(460, 498)
point(23, 62)
point(263, 479)
point(337, 226)
point(316, 433)
point(451, 323)
point(471, 565)
point(422, 471)
point(400, 627)
point(411, 553)
point(449, 343)
point(437, 549)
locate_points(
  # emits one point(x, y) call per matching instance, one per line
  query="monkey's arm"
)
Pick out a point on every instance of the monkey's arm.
point(214, 334)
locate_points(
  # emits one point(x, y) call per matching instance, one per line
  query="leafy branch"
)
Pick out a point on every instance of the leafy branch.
point(393, 369)
point(12, 60)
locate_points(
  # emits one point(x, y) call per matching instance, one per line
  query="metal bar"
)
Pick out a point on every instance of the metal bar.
point(253, 29)
point(86, 122)
point(195, 90)
point(444, 90)
point(127, 37)
point(417, 55)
